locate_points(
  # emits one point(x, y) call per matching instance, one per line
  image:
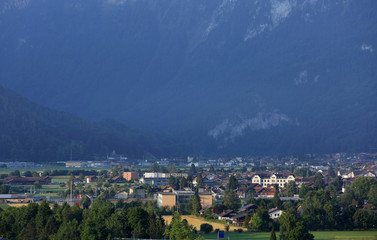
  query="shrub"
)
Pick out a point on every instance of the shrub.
point(227, 227)
point(206, 228)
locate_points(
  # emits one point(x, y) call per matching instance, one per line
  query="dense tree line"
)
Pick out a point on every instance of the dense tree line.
point(102, 221)
point(322, 209)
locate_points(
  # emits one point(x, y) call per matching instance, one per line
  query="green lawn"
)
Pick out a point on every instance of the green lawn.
point(59, 179)
point(4, 205)
point(326, 235)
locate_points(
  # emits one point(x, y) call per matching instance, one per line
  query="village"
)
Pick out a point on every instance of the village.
point(228, 194)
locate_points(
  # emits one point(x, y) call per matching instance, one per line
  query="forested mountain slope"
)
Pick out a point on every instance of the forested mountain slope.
point(30, 132)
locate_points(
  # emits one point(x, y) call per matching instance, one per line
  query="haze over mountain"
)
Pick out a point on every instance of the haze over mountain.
point(226, 76)
point(29, 132)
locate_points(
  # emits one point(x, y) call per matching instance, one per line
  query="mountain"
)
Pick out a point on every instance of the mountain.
point(30, 132)
point(225, 76)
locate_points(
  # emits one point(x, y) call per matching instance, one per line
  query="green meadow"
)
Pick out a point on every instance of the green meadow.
point(318, 235)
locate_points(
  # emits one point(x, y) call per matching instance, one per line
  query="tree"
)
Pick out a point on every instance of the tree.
point(199, 181)
point(155, 167)
point(4, 189)
point(273, 234)
point(303, 190)
point(211, 169)
point(231, 200)
point(300, 232)
point(264, 217)
point(332, 212)
point(156, 226)
point(15, 173)
point(361, 187)
point(37, 184)
point(276, 200)
point(182, 183)
point(287, 223)
point(27, 174)
point(372, 195)
point(85, 202)
point(172, 182)
point(206, 228)
point(179, 229)
point(233, 183)
point(192, 170)
point(330, 172)
point(256, 223)
point(291, 188)
point(338, 183)
point(196, 206)
point(44, 213)
point(246, 222)
point(361, 219)
point(138, 219)
point(318, 181)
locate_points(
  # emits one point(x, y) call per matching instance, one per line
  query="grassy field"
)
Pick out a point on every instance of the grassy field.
point(196, 222)
point(326, 235)
point(59, 179)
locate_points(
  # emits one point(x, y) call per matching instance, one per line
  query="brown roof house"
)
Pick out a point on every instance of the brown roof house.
point(27, 180)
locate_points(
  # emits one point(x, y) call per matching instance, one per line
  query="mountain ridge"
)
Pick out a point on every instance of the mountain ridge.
point(30, 132)
point(187, 68)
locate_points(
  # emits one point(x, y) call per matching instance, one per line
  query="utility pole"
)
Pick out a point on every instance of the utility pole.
point(71, 190)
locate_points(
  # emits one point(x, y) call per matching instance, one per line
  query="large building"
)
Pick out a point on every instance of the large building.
point(75, 164)
point(265, 179)
point(16, 198)
point(164, 175)
point(158, 182)
point(130, 175)
point(170, 199)
point(159, 179)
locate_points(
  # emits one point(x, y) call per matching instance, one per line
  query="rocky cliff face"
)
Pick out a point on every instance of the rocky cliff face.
point(232, 76)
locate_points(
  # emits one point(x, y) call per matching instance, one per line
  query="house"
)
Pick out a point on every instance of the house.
point(217, 193)
point(346, 175)
point(369, 174)
point(77, 181)
point(27, 180)
point(90, 179)
point(167, 188)
point(241, 192)
point(226, 215)
point(121, 195)
point(266, 192)
point(249, 208)
point(130, 175)
point(238, 219)
point(117, 180)
point(303, 180)
point(137, 191)
point(275, 213)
